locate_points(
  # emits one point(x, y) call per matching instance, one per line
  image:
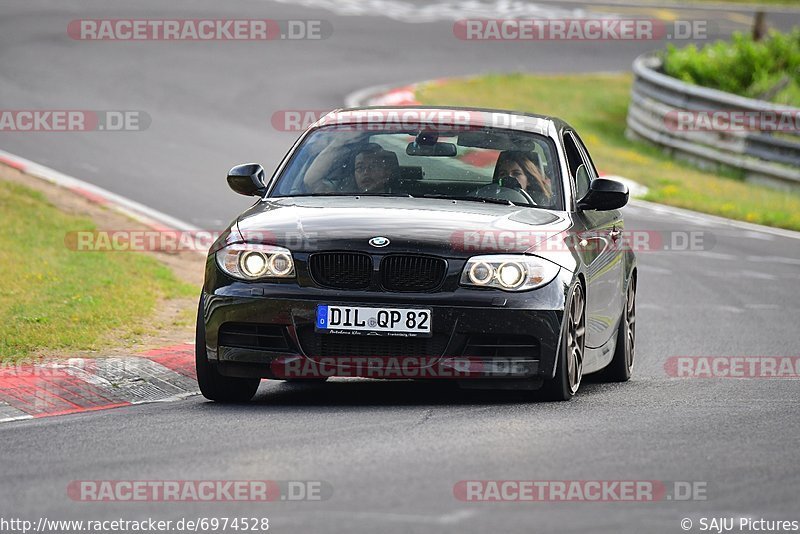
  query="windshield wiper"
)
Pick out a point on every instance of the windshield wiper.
point(471, 199)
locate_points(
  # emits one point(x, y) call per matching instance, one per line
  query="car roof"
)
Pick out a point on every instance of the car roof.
point(498, 118)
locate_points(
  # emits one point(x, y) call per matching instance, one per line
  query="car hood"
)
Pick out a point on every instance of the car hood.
point(428, 226)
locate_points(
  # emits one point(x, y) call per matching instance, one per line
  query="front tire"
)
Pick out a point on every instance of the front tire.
point(213, 385)
point(569, 364)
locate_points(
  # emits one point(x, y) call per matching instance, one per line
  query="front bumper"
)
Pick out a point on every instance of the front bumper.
point(267, 330)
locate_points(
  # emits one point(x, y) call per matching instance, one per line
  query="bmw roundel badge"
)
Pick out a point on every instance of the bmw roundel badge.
point(379, 241)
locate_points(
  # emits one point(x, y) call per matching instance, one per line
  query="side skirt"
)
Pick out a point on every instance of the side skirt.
point(596, 359)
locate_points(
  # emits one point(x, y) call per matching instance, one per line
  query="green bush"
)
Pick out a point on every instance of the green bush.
point(742, 66)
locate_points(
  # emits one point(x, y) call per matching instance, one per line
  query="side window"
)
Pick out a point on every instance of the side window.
point(577, 168)
point(587, 158)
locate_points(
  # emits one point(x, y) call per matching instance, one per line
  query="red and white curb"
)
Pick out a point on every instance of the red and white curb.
point(77, 385)
point(383, 95)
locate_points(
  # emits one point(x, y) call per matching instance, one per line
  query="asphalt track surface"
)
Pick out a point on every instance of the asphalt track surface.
point(392, 452)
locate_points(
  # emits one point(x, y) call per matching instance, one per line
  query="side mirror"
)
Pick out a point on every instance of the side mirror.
point(604, 195)
point(247, 179)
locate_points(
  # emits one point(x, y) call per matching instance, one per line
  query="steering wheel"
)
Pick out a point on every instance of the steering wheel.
point(517, 195)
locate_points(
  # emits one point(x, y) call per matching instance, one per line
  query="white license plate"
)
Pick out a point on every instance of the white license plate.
point(376, 321)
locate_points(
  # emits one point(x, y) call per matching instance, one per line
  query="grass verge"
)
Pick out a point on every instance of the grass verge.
point(54, 300)
point(596, 105)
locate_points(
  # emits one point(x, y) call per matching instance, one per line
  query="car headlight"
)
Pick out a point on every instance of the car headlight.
point(509, 272)
point(253, 262)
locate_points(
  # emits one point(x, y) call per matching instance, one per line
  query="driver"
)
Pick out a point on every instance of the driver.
point(373, 170)
point(517, 169)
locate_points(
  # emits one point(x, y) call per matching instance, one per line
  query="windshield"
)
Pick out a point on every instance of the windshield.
point(481, 165)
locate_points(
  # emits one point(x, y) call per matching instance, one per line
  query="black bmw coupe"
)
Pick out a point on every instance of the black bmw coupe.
point(422, 243)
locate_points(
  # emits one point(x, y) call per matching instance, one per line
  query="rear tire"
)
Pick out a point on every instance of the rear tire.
point(213, 385)
point(619, 370)
point(569, 364)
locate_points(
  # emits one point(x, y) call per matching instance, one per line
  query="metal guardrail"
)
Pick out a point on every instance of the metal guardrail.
point(760, 156)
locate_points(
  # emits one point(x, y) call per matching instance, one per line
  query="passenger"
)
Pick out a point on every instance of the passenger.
point(521, 166)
